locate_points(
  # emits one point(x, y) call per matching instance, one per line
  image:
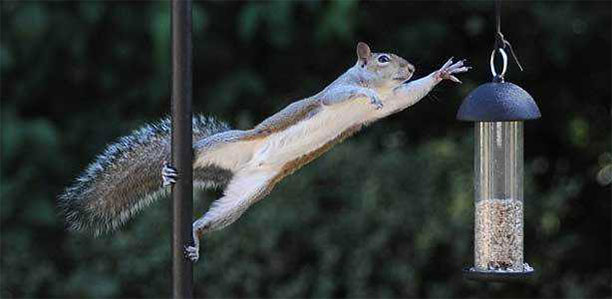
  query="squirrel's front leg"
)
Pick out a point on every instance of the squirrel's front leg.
point(409, 93)
point(343, 93)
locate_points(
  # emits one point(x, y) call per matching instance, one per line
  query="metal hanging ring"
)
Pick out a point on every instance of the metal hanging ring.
point(505, 62)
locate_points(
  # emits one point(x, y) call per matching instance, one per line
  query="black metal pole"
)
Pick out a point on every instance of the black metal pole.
point(182, 153)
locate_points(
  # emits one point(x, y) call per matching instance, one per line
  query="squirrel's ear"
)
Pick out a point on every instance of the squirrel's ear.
point(363, 51)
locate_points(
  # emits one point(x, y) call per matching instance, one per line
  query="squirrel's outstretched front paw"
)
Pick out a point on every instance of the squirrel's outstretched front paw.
point(374, 100)
point(169, 174)
point(450, 68)
point(192, 253)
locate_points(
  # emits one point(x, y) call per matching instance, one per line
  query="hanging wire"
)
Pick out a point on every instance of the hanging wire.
point(500, 41)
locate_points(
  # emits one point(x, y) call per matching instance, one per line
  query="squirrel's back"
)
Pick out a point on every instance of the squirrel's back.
point(126, 177)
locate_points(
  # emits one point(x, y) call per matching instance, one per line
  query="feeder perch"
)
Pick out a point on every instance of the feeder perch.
point(498, 110)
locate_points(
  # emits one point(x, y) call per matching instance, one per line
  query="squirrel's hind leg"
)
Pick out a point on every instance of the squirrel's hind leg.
point(244, 189)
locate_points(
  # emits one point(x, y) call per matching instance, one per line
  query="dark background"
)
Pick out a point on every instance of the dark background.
point(388, 213)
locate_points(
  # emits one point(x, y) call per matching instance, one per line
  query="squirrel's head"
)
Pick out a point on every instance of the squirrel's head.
point(387, 70)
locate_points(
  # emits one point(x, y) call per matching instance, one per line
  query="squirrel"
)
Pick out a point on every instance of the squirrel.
point(132, 173)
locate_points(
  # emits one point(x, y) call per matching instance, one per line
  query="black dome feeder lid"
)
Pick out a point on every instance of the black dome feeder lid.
point(498, 101)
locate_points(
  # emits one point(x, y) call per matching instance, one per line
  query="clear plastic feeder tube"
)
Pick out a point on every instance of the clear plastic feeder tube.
point(498, 228)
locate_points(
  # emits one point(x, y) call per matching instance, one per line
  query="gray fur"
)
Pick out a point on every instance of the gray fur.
point(217, 175)
point(126, 177)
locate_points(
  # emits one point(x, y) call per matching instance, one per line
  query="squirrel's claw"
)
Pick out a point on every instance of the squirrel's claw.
point(454, 79)
point(447, 64)
point(192, 253)
point(169, 175)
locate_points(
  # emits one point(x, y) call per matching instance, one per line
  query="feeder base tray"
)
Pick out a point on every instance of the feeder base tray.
point(498, 275)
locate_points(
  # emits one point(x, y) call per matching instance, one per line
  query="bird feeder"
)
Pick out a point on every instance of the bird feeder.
point(498, 110)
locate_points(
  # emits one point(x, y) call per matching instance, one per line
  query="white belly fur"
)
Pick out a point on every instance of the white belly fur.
point(271, 153)
point(308, 135)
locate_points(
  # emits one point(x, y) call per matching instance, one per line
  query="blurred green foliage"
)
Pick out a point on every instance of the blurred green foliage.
point(386, 214)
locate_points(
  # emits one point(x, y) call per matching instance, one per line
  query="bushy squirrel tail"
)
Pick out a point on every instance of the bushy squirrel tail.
point(126, 177)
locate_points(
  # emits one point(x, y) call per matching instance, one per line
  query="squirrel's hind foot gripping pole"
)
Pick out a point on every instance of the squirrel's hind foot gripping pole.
point(169, 175)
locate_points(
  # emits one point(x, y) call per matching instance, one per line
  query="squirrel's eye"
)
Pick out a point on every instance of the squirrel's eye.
point(383, 59)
